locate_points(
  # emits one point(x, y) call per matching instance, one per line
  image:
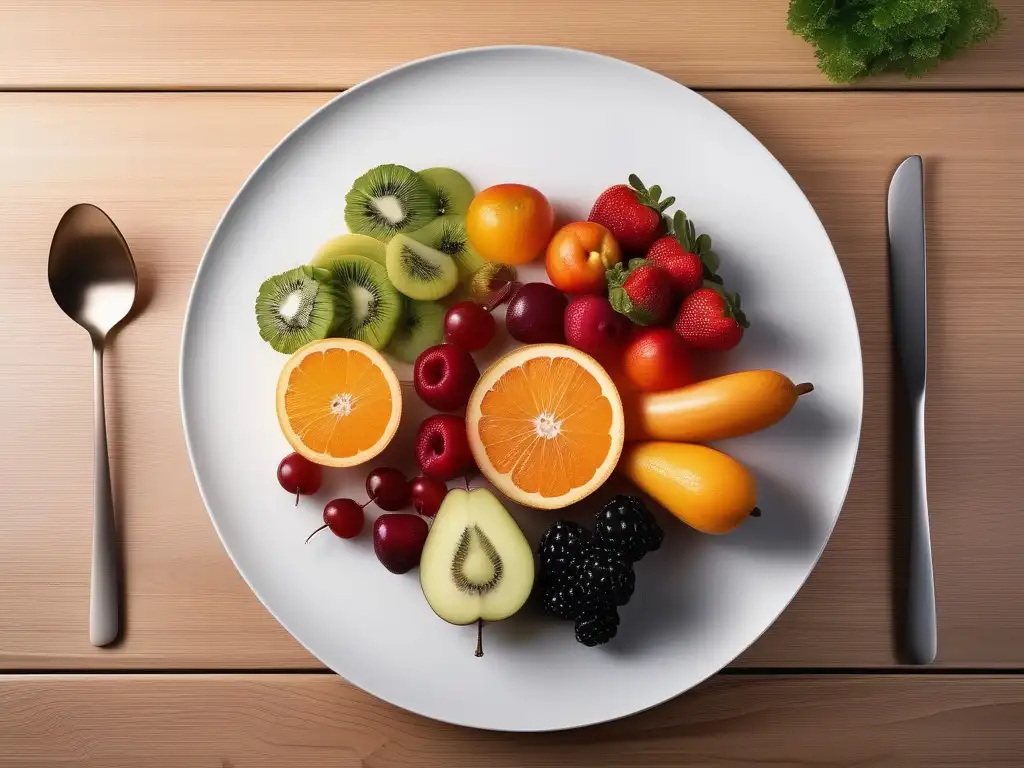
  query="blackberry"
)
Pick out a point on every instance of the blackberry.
point(597, 628)
point(563, 543)
point(625, 524)
point(606, 577)
point(561, 600)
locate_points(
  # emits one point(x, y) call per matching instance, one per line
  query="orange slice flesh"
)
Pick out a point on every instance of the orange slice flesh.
point(545, 425)
point(338, 402)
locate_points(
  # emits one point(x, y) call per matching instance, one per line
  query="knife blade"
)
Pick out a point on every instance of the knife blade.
point(908, 275)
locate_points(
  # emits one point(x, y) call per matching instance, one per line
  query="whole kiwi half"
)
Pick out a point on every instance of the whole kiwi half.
point(295, 308)
point(368, 307)
point(419, 271)
point(387, 200)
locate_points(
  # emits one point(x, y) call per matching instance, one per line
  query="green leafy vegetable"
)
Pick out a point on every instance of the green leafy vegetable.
point(856, 38)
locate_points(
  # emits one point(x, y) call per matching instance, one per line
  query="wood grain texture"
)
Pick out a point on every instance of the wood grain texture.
point(165, 165)
point(332, 44)
point(317, 720)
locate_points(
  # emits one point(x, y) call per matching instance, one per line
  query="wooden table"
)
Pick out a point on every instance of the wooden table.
point(157, 112)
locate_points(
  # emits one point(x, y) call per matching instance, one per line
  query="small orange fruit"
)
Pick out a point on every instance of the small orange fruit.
point(579, 255)
point(509, 223)
point(338, 402)
point(545, 425)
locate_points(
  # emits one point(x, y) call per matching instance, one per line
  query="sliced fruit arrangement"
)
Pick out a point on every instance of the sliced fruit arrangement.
point(295, 308)
point(545, 425)
point(586, 576)
point(338, 402)
point(388, 200)
point(476, 565)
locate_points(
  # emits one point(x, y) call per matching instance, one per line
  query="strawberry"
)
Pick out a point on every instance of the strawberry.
point(640, 291)
point(688, 259)
point(633, 214)
point(711, 318)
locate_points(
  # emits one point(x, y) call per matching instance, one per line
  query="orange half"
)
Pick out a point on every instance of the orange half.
point(338, 402)
point(545, 425)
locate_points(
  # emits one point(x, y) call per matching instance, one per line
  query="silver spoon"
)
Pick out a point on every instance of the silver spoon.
point(92, 277)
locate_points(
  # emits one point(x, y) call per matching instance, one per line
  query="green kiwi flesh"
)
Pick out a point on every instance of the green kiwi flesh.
point(451, 190)
point(348, 245)
point(419, 271)
point(295, 308)
point(421, 326)
point(447, 234)
point(368, 306)
point(387, 200)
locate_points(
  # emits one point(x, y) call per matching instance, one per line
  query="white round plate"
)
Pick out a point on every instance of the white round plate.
point(570, 124)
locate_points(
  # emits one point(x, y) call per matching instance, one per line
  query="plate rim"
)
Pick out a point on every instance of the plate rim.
point(217, 234)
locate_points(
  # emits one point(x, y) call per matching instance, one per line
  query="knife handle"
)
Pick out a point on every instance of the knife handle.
point(921, 631)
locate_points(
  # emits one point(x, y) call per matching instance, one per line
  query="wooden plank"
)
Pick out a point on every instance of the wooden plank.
point(165, 165)
point(317, 720)
point(336, 43)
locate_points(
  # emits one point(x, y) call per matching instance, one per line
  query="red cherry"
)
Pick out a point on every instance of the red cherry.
point(398, 541)
point(299, 475)
point(387, 488)
point(344, 517)
point(444, 376)
point(442, 447)
point(427, 494)
point(468, 325)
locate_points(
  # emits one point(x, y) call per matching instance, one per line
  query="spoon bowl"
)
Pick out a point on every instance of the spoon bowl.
point(93, 279)
point(91, 271)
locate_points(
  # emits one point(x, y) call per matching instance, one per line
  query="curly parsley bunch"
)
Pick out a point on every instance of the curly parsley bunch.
point(856, 38)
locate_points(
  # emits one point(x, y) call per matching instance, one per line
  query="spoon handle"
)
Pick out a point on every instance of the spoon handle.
point(104, 611)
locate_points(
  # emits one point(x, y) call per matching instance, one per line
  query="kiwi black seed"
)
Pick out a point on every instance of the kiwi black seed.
point(368, 306)
point(387, 200)
point(447, 234)
point(295, 308)
point(451, 190)
point(421, 326)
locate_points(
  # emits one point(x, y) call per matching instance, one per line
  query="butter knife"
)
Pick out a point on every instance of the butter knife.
point(906, 223)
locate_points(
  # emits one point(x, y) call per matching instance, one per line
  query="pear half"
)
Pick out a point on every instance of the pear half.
point(476, 565)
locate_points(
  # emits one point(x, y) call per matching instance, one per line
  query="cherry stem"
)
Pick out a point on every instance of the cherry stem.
point(466, 478)
point(479, 638)
point(297, 492)
point(499, 296)
point(368, 501)
point(314, 533)
point(755, 512)
point(803, 389)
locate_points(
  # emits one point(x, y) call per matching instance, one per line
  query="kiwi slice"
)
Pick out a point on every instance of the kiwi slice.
point(295, 308)
point(348, 245)
point(421, 326)
point(387, 200)
point(419, 271)
point(368, 306)
point(452, 192)
point(447, 234)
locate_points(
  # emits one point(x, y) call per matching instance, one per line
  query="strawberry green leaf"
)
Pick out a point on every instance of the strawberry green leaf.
point(655, 192)
point(635, 183)
point(633, 264)
point(711, 261)
point(624, 305)
point(703, 245)
point(617, 275)
point(665, 204)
